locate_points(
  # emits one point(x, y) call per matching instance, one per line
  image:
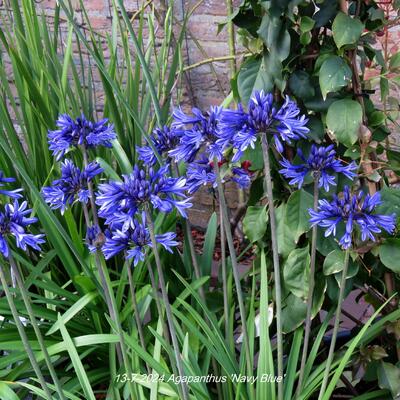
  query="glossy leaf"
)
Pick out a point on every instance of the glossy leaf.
point(344, 119)
point(333, 75)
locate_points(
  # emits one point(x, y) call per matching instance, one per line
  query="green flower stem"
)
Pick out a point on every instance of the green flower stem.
point(188, 230)
point(22, 334)
point(135, 310)
point(195, 263)
point(154, 285)
point(226, 226)
point(335, 325)
point(111, 303)
point(311, 285)
point(275, 257)
point(108, 291)
point(167, 305)
point(90, 188)
point(32, 318)
point(224, 277)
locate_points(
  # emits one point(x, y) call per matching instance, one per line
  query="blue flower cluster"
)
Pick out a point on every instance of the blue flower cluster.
point(352, 210)
point(79, 132)
point(122, 200)
point(195, 132)
point(134, 240)
point(163, 140)
point(14, 221)
point(321, 163)
point(240, 128)
point(72, 186)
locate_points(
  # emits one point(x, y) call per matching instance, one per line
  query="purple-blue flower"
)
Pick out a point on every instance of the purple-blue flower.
point(322, 163)
point(14, 194)
point(240, 128)
point(14, 222)
point(163, 140)
point(72, 186)
point(79, 132)
point(134, 241)
point(141, 189)
point(352, 210)
point(195, 132)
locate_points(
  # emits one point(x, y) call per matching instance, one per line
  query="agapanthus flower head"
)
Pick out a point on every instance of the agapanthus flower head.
point(14, 194)
point(140, 189)
point(14, 222)
point(163, 139)
point(72, 186)
point(239, 128)
point(195, 132)
point(321, 163)
point(79, 132)
point(134, 241)
point(352, 210)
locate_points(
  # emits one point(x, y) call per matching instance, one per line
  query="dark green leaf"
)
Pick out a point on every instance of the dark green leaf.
point(390, 201)
point(255, 222)
point(389, 253)
point(253, 76)
point(334, 262)
point(296, 270)
point(317, 132)
point(344, 119)
point(294, 314)
point(275, 36)
point(389, 378)
point(395, 60)
point(346, 30)
point(333, 75)
point(300, 84)
point(327, 10)
point(297, 216)
point(306, 24)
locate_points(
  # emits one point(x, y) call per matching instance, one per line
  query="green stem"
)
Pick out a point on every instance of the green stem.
point(90, 188)
point(275, 257)
point(198, 275)
point(224, 276)
point(311, 280)
point(22, 334)
point(108, 291)
point(106, 283)
point(167, 305)
point(135, 310)
point(154, 285)
point(235, 269)
point(32, 318)
point(335, 325)
point(195, 263)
